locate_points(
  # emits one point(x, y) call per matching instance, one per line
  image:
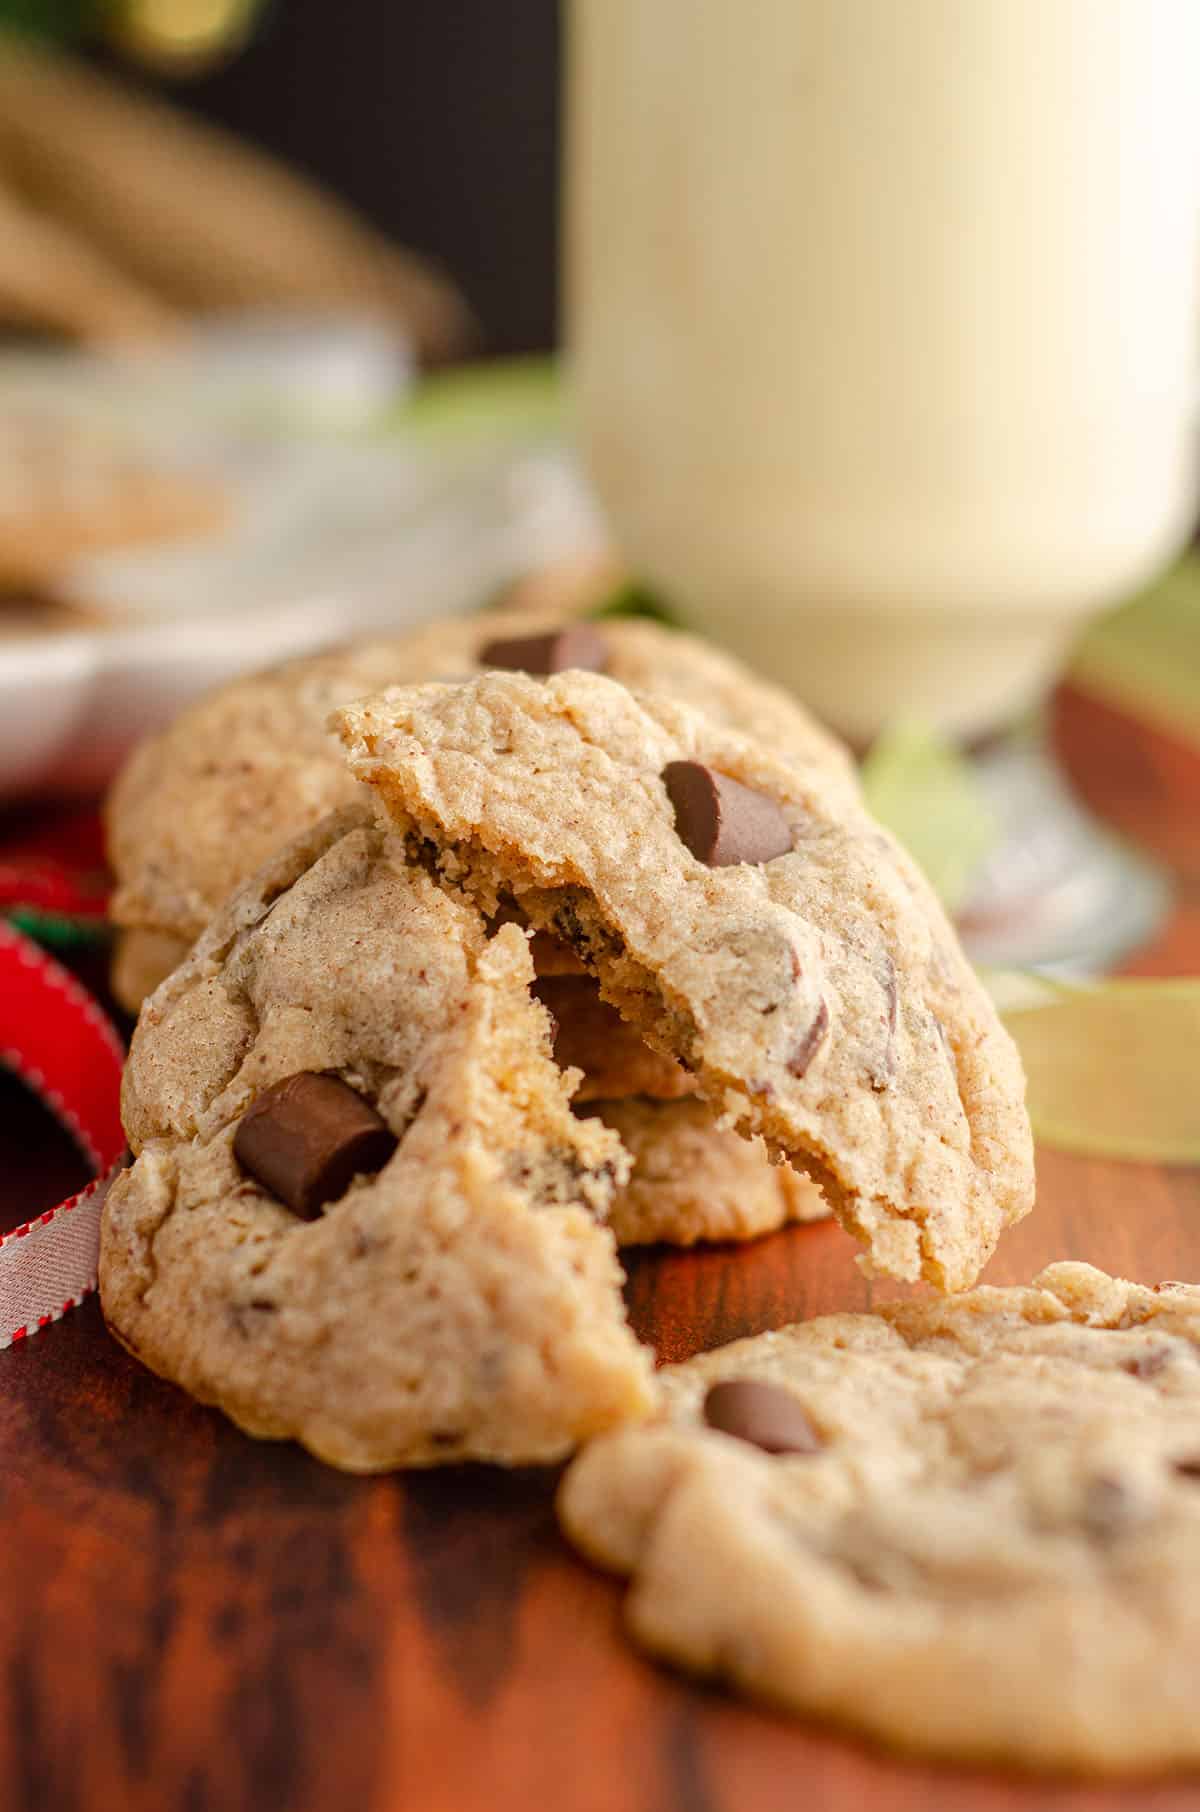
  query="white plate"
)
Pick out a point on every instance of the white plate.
point(344, 521)
point(72, 703)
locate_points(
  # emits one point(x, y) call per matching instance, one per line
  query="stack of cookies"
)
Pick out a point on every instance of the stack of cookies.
point(470, 956)
point(711, 993)
point(200, 807)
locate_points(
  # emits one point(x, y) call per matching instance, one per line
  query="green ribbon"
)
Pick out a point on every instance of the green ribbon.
point(57, 932)
point(1109, 1064)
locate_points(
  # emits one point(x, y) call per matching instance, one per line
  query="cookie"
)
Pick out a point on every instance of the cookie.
point(966, 1527)
point(362, 1213)
point(692, 1179)
point(749, 919)
point(199, 807)
point(695, 1181)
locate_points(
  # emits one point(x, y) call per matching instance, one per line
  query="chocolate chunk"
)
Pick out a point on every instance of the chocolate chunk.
point(763, 1414)
point(306, 1137)
point(1188, 1467)
point(552, 957)
point(579, 645)
point(806, 1050)
point(720, 820)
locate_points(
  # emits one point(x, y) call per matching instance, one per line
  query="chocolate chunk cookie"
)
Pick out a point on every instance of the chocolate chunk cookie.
point(362, 1213)
point(198, 808)
point(966, 1527)
point(809, 981)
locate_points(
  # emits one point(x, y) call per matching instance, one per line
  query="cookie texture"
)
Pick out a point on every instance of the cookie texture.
point(463, 1300)
point(591, 1036)
point(694, 1181)
point(199, 807)
point(990, 1551)
point(819, 998)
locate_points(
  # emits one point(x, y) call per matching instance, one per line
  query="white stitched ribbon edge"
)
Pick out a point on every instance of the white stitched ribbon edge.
point(49, 1265)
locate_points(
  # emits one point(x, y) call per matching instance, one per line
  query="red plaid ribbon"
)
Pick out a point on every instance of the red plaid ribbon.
point(60, 1042)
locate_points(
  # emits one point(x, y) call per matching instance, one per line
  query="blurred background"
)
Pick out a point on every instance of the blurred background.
point(233, 236)
point(281, 297)
point(438, 123)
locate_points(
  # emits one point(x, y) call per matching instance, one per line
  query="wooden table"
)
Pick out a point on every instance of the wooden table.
point(194, 1622)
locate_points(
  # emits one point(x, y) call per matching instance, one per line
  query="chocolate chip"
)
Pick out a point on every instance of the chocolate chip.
point(720, 820)
point(306, 1137)
point(1188, 1467)
point(579, 645)
point(762, 1414)
point(806, 1050)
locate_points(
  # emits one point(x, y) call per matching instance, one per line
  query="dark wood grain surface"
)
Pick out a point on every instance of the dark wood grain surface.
point(191, 1620)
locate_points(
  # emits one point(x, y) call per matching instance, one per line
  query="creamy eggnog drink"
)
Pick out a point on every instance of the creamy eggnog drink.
point(883, 318)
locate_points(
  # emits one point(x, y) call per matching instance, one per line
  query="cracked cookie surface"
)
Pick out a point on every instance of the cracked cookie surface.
point(696, 1182)
point(464, 1299)
point(692, 1179)
point(988, 1549)
point(818, 998)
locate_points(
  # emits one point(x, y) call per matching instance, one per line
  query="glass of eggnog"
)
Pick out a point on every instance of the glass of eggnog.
point(882, 320)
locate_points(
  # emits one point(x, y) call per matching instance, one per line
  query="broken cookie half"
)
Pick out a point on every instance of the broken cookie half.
point(966, 1527)
point(362, 1213)
point(749, 918)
